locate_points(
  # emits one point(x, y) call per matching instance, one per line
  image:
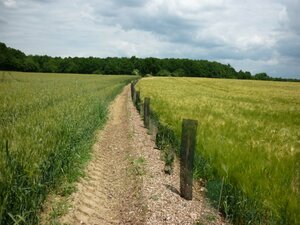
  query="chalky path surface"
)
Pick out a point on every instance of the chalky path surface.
point(125, 182)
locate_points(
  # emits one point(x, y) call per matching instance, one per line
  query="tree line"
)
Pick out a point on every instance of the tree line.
point(15, 60)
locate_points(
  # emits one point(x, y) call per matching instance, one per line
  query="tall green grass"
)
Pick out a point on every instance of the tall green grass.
point(47, 127)
point(248, 142)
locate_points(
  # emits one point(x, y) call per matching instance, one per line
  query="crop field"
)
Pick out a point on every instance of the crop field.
point(47, 125)
point(248, 142)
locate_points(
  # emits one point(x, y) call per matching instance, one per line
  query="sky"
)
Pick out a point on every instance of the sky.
point(252, 35)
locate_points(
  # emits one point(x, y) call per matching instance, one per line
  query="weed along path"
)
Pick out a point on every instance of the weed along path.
point(125, 182)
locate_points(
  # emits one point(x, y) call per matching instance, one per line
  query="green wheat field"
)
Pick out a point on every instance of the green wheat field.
point(248, 141)
point(47, 125)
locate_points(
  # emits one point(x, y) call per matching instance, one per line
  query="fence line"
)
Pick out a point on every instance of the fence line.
point(187, 148)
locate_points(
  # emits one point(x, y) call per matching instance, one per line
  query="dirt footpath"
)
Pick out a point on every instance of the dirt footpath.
point(125, 182)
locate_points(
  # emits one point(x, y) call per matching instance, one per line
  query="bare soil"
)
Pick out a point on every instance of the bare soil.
point(125, 181)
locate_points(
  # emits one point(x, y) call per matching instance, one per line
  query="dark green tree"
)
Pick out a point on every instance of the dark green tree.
point(12, 59)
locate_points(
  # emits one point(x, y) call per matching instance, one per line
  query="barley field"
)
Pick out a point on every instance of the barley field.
point(248, 142)
point(47, 125)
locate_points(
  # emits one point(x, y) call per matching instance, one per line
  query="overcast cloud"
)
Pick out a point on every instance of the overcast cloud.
point(253, 35)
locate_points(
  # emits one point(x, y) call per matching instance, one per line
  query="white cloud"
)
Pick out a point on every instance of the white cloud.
point(10, 3)
point(252, 35)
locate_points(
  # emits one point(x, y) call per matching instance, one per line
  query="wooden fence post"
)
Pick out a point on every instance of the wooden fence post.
point(137, 101)
point(146, 112)
point(134, 97)
point(132, 89)
point(187, 151)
